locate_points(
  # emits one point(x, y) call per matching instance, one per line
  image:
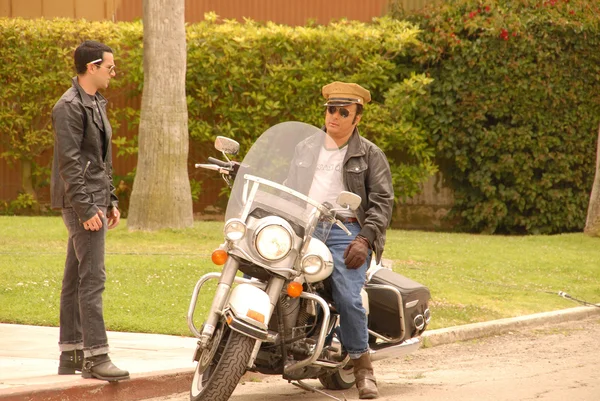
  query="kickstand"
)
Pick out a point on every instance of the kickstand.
point(305, 386)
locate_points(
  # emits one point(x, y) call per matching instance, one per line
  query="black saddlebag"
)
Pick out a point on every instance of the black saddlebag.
point(398, 306)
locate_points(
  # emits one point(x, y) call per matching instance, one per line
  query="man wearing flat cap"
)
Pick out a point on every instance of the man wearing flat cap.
point(362, 168)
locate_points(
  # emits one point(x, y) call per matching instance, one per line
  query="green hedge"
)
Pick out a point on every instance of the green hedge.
point(513, 109)
point(241, 79)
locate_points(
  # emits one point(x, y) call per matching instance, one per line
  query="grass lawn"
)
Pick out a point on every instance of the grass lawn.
point(150, 276)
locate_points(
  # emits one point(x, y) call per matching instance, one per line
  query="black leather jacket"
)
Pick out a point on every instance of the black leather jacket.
point(82, 164)
point(366, 173)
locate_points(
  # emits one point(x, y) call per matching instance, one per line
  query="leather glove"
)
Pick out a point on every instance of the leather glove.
point(356, 253)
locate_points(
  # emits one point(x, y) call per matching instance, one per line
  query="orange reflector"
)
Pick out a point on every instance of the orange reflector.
point(219, 257)
point(229, 319)
point(294, 289)
point(259, 317)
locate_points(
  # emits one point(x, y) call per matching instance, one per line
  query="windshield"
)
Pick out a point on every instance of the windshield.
point(278, 173)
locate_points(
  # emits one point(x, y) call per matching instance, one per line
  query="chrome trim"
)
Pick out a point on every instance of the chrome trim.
point(278, 270)
point(411, 303)
point(246, 328)
point(320, 341)
point(394, 351)
point(254, 354)
point(399, 298)
point(192, 307)
point(199, 284)
point(427, 315)
point(309, 231)
point(285, 189)
point(333, 365)
point(249, 200)
point(421, 324)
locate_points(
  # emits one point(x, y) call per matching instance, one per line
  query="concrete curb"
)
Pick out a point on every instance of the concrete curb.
point(477, 330)
point(165, 383)
point(139, 387)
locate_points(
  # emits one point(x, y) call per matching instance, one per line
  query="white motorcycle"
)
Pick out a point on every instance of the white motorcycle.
point(279, 318)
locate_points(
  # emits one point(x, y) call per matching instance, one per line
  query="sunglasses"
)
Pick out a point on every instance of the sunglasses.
point(110, 69)
point(343, 112)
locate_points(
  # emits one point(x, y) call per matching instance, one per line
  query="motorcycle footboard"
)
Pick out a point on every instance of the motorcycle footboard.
point(398, 306)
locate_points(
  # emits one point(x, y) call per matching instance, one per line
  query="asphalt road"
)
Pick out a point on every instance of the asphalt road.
point(548, 363)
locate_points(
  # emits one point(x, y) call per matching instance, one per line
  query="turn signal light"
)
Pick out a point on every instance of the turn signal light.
point(294, 289)
point(219, 257)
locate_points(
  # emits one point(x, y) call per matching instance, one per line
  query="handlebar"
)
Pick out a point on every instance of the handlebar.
point(218, 162)
point(335, 218)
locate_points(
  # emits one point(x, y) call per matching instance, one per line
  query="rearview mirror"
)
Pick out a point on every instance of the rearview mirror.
point(349, 200)
point(227, 145)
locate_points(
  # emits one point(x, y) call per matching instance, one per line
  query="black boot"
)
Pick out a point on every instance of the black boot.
point(100, 367)
point(70, 361)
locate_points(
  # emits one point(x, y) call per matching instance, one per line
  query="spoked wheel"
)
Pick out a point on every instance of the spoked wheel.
point(221, 365)
point(342, 379)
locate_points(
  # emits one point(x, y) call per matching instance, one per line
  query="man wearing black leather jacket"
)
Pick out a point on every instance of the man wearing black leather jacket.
point(82, 187)
point(349, 162)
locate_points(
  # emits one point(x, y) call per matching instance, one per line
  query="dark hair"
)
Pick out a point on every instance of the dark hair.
point(89, 51)
point(359, 111)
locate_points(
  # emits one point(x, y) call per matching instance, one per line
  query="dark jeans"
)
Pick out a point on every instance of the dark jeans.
point(81, 318)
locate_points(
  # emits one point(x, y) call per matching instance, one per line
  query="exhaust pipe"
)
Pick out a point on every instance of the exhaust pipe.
point(387, 351)
point(419, 322)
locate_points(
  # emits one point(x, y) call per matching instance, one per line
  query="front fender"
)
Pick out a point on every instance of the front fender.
point(249, 310)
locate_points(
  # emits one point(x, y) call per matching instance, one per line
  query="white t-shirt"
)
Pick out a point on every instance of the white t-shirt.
point(328, 181)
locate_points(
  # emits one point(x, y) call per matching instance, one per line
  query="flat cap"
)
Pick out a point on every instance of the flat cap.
point(344, 93)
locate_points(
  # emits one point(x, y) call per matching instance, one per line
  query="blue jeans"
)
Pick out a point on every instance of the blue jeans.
point(346, 285)
point(81, 317)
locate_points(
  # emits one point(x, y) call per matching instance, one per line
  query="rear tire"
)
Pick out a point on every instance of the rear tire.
point(342, 379)
point(217, 381)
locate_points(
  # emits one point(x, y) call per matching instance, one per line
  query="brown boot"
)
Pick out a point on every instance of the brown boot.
point(365, 379)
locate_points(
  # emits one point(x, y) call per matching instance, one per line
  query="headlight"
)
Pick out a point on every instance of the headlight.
point(273, 242)
point(317, 262)
point(234, 230)
point(312, 264)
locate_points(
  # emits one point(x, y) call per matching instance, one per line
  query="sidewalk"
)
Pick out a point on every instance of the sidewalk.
point(158, 365)
point(161, 365)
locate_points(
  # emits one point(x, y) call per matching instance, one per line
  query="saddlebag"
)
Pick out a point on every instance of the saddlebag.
point(398, 306)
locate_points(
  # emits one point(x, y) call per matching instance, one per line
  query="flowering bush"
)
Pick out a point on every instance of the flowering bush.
point(513, 109)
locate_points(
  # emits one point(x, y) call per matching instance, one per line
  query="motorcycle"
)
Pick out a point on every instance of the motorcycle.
point(279, 317)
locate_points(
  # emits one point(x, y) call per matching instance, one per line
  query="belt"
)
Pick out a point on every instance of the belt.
point(349, 220)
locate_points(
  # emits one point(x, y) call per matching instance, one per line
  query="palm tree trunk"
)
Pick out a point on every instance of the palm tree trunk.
point(161, 195)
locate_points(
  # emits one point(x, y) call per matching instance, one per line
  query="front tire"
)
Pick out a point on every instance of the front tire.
point(217, 381)
point(342, 379)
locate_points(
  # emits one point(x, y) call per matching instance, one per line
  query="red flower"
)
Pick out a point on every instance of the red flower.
point(472, 14)
point(572, 12)
point(504, 34)
point(487, 9)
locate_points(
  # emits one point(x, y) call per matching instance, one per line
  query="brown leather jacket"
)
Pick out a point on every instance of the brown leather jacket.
point(82, 164)
point(366, 173)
